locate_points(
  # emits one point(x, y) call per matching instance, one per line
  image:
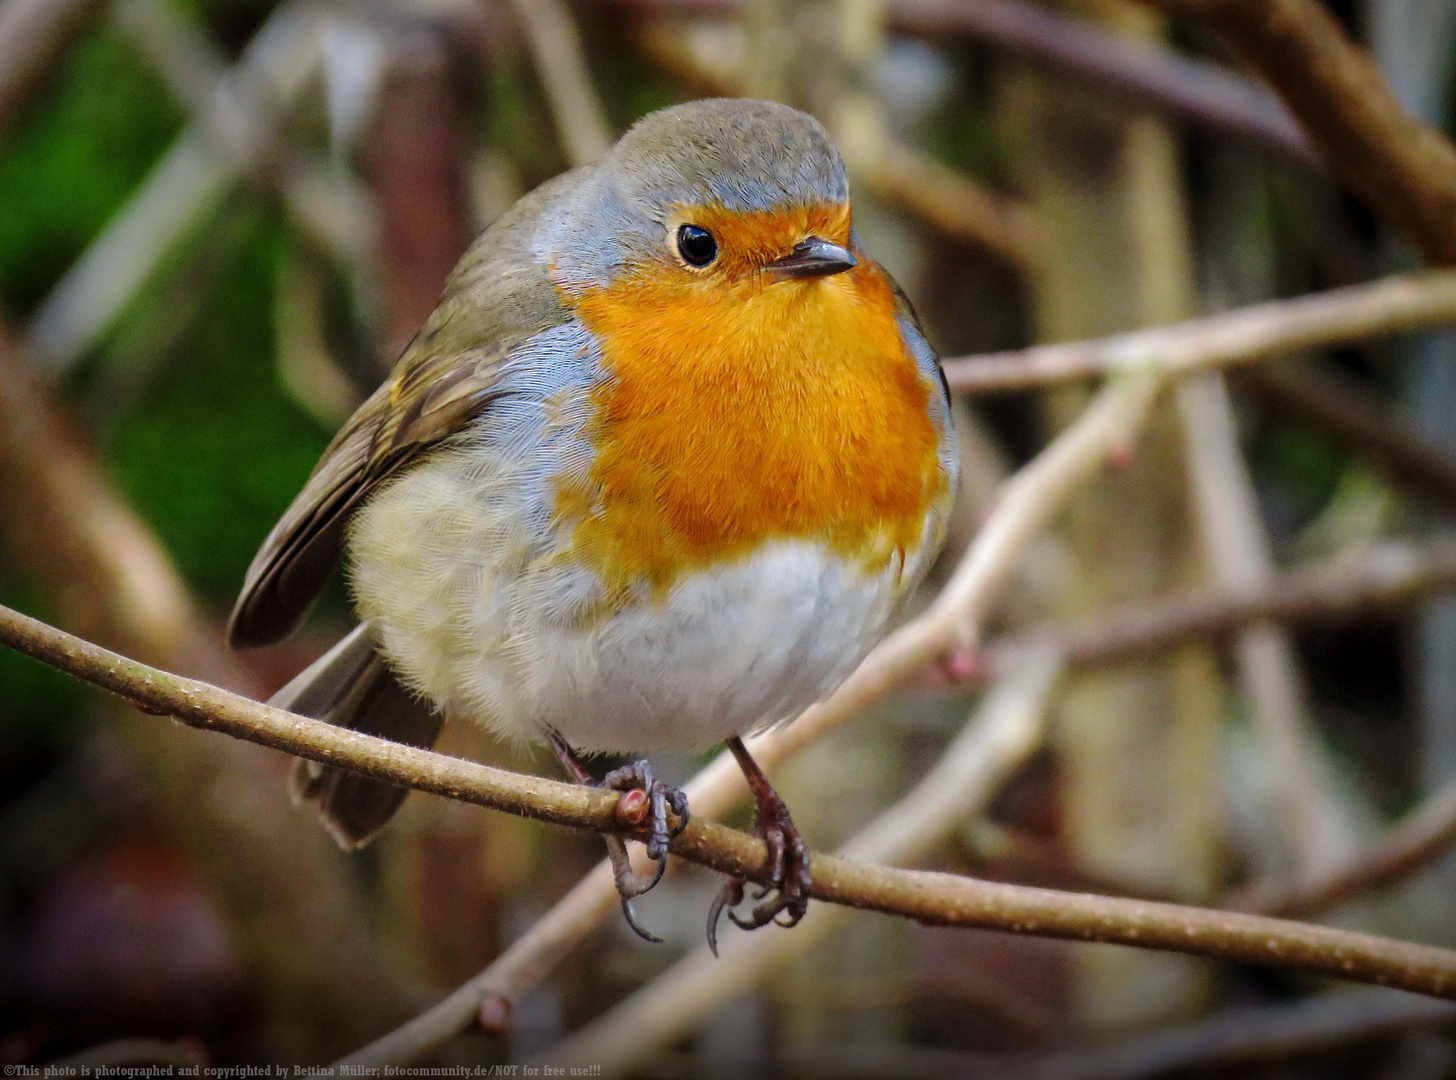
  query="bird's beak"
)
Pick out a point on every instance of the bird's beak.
point(812, 258)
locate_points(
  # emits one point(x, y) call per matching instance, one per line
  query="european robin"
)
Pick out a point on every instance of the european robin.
point(657, 472)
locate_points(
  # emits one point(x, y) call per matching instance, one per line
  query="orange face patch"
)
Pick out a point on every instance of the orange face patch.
point(743, 409)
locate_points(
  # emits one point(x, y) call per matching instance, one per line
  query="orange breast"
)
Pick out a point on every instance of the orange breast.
point(742, 410)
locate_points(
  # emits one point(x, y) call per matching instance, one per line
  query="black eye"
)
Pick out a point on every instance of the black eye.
point(696, 245)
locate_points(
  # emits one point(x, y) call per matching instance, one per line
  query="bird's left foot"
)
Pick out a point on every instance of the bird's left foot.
point(788, 860)
point(660, 798)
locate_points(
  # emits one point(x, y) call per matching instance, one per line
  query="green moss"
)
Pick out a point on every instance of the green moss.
point(517, 122)
point(76, 158)
point(39, 706)
point(961, 133)
point(1302, 464)
point(215, 452)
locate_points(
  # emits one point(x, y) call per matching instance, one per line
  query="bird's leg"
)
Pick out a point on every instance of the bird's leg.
point(788, 857)
point(637, 776)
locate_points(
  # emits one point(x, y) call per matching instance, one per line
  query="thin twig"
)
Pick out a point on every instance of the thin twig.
point(1260, 332)
point(947, 201)
point(35, 34)
point(1405, 169)
point(285, 891)
point(1247, 1036)
point(237, 122)
point(1237, 552)
point(1411, 843)
point(1357, 419)
point(1382, 577)
point(998, 737)
point(580, 120)
point(188, 182)
point(1203, 92)
point(932, 898)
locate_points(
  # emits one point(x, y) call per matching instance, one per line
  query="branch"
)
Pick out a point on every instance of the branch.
point(413, 159)
point(1212, 1046)
point(552, 35)
point(286, 891)
point(1354, 417)
point(1403, 168)
point(185, 185)
point(1411, 843)
point(1028, 502)
point(1246, 1036)
point(1382, 577)
point(34, 34)
point(1259, 332)
point(1201, 91)
point(1236, 550)
point(238, 126)
point(932, 898)
point(948, 202)
point(1006, 729)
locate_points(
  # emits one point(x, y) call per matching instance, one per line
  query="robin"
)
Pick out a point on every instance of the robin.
point(657, 472)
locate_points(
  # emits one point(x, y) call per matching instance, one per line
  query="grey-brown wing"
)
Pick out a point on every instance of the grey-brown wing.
point(429, 398)
point(497, 297)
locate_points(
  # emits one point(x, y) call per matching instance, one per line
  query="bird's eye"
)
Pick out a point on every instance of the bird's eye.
point(696, 245)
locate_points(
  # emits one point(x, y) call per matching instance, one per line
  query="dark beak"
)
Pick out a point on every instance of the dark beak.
point(812, 258)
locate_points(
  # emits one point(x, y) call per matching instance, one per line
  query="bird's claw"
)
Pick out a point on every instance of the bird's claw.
point(789, 877)
point(661, 798)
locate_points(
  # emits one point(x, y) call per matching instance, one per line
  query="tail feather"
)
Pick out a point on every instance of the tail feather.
point(352, 687)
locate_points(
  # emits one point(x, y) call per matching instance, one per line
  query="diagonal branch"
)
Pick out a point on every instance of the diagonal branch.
point(1356, 418)
point(239, 125)
point(1411, 843)
point(1382, 577)
point(1258, 332)
point(36, 33)
point(555, 44)
point(1405, 169)
point(1005, 729)
point(932, 898)
point(1199, 90)
point(189, 181)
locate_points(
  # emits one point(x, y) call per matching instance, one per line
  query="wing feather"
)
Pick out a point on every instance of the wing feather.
point(429, 399)
point(499, 296)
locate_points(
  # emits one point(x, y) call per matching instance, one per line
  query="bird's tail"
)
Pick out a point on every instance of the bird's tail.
point(352, 687)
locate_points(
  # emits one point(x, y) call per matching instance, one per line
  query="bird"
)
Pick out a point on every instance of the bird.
point(658, 472)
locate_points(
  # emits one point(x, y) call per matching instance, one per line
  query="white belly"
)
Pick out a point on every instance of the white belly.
point(472, 615)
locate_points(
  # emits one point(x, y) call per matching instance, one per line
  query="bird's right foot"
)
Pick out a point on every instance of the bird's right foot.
point(660, 798)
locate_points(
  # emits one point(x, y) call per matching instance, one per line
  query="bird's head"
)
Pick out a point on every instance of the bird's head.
point(723, 194)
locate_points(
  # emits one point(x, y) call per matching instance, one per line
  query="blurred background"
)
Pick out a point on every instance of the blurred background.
point(221, 220)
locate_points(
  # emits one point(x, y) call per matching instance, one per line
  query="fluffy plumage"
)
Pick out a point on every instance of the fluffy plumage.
point(639, 502)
